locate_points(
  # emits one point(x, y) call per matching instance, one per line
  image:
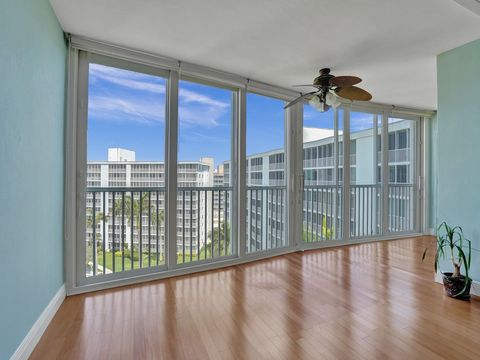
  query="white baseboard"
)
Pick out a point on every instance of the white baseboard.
point(475, 289)
point(431, 231)
point(26, 347)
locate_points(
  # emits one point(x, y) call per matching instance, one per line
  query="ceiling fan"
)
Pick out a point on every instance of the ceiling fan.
point(329, 89)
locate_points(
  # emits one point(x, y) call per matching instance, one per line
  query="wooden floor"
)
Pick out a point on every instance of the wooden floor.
point(366, 301)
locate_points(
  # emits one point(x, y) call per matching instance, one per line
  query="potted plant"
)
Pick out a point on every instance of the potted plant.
point(452, 244)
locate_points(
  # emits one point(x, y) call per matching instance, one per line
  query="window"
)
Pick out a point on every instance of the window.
point(126, 172)
point(365, 131)
point(402, 177)
point(126, 128)
point(204, 155)
point(402, 139)
point(266, 192)
point(322, 194)
point(391, 141)
point(402, 190)
point(353, 147)
point(392, 176)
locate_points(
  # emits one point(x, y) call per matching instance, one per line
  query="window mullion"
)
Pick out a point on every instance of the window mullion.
point(171, 143)
point(346, 173)
point(294, 172)
point(240, 177)
point(385, 172)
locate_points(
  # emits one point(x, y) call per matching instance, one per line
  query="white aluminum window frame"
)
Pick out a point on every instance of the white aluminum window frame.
point(74, 159)
point(382, 113)
point(288, 125)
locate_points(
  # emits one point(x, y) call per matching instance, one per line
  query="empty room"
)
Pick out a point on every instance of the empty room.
point(255, 179)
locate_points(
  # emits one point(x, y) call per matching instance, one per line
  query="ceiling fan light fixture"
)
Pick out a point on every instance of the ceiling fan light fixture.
point(324, 107)
point(332, 100)
point(319, 104)
point(316, 103)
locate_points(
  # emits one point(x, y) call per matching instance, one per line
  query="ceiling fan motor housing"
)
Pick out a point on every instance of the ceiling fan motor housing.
point(324, 79)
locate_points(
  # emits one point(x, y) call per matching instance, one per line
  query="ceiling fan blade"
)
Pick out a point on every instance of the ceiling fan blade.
point(354, 93)
point(300, 98)
point(317, 86)
point(344, 81)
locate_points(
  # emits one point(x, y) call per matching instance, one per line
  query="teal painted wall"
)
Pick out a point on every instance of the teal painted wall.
point(32, 93)
point(458, 143)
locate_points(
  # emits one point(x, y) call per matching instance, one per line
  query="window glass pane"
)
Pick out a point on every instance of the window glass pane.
point(402, 174)
point(125, 194)
point(322, 205)
point(391, 141)
point(392, 173)
point(203, 172)
point(266, 181)
point(401, 216)
point(365, 161)
point(402, 139)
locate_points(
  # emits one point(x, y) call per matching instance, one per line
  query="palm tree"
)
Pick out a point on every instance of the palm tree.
point(221, 240)
point(93, 224)
point(137, 205)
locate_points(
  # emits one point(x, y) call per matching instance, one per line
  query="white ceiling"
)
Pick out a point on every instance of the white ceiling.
point(391, 44)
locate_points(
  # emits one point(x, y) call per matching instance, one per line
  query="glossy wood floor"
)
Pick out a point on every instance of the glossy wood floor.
point(366, 301)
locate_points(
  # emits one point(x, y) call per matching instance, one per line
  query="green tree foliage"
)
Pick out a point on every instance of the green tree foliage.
point(137, 205)
point(221, 241)
point(310, 235)
point(92, 224)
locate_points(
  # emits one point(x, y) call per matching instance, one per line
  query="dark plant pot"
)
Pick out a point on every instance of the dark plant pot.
point(455, 286)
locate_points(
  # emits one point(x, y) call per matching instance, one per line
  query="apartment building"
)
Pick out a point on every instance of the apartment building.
point(322, 196)
point(266, 194)
point(117, 214)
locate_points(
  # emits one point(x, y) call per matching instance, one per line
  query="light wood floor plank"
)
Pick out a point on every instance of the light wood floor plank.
point(366, 301)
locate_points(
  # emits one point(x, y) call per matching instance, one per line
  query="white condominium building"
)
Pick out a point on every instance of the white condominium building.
point(204, 194)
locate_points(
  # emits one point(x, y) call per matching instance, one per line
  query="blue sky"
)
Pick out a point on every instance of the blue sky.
point(127, 109)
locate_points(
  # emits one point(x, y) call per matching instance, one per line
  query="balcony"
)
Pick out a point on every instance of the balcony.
point(266, 218)
point(276, 166)
point(119, 243)
point(397, 155)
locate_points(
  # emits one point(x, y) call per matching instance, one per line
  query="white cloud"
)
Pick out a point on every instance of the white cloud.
point(195, 109)
point(199, 116)
point(188, 96)
point(128, 79)
point(361, 122)
point(125, 110)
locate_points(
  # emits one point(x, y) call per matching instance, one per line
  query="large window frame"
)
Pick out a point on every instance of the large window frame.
point(233, 171)
point(84, 61)
point(75, 159)
point(383, 114)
